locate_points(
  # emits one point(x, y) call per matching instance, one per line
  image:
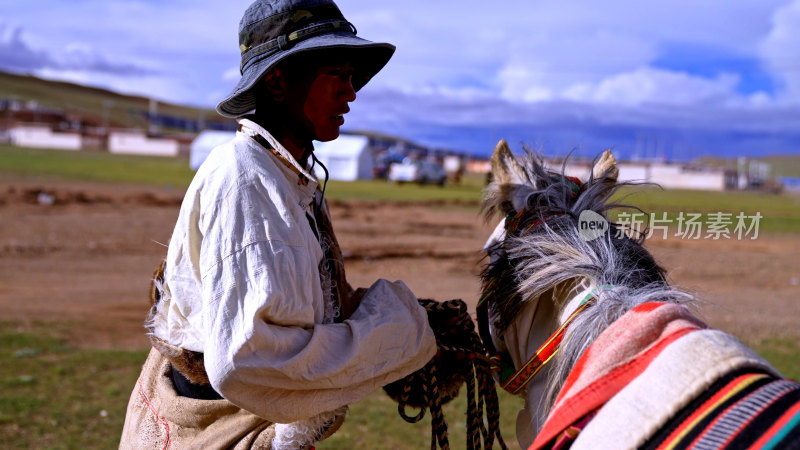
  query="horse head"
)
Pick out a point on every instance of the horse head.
point(543, 266)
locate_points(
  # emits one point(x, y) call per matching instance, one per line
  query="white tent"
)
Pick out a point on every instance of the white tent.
point(347, 158)
point(204, 143)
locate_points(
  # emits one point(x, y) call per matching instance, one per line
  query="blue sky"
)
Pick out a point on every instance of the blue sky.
point(676, 79)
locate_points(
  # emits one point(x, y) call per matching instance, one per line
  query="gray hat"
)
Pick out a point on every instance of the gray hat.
point(272, 30)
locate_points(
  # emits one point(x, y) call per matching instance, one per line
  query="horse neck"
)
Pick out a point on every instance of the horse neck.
point(533, 326)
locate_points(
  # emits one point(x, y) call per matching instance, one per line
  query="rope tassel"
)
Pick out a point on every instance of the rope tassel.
point(459, 360)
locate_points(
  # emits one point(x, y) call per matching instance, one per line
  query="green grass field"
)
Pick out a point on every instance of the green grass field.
point(54, 396)
point(780, 213)
point(95, 166)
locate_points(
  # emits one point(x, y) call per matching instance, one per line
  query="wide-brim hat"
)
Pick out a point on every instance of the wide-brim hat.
point(272, 30)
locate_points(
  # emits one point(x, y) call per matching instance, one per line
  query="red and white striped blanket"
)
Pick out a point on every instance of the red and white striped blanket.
point(655, 378)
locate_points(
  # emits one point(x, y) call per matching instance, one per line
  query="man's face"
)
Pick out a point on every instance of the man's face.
point(318, 97)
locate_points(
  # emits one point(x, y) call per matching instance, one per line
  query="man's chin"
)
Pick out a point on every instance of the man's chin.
point(327, 137)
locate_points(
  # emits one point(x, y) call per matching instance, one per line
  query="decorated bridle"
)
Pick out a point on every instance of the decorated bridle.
point(515, 381)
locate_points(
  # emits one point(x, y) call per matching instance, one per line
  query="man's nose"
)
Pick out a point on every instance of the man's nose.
point(348, 91)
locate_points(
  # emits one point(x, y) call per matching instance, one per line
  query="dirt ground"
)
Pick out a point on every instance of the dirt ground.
point(81, 255)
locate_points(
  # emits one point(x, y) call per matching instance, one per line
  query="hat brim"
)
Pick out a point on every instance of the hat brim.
point(368, 59)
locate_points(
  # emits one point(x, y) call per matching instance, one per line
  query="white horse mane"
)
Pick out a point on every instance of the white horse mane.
point(549, 260)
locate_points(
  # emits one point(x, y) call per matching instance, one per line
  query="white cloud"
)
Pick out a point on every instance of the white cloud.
point(781, 50)
point(539, 51)
point(544, 67)
point(16, 54)
point(135, 25)
point(522, 51)
point(524, 82)
point(649, 85)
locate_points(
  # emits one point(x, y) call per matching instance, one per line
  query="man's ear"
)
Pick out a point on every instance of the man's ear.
point(275, 84)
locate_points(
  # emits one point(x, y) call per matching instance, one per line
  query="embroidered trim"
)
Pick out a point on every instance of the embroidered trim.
point(158, 418)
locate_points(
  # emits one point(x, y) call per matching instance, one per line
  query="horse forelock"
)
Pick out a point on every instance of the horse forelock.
point(545, 249)
point(546, 253)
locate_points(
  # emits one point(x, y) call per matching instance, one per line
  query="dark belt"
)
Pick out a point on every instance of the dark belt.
point(186, 388)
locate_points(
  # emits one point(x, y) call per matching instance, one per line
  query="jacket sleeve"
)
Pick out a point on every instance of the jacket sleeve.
point(266, 353)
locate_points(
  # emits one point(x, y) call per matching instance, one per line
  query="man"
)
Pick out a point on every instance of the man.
point(258, 339)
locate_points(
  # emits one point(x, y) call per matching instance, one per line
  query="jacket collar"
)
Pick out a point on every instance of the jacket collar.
point(307, 182)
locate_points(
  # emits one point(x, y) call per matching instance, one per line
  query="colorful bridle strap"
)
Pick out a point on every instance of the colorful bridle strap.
point(517, 382)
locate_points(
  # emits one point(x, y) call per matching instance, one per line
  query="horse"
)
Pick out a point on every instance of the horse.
point(582, 323)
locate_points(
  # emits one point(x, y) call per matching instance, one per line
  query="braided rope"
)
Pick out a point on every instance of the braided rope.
point(438, 425)
point(404, 397)
point(424, 385)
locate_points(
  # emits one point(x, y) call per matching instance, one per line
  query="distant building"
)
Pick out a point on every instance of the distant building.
point(43, 136)
point(136, 142)
point(666, 175)
point(682, 176)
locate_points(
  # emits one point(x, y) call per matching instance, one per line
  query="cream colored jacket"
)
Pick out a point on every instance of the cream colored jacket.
point(242, 286)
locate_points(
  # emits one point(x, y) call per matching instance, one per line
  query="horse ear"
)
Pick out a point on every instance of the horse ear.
point(505, 168)
point(606, 167)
